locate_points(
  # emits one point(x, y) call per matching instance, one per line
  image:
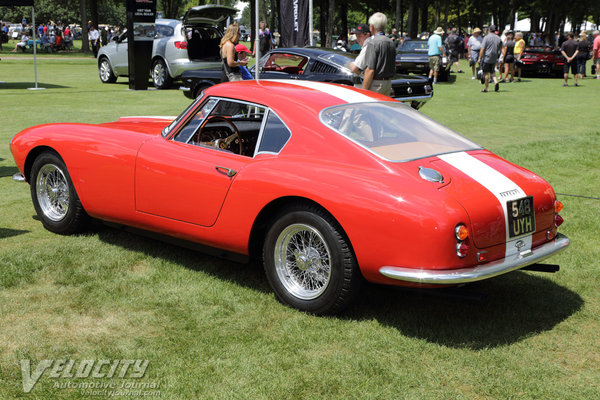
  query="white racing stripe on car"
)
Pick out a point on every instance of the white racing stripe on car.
point(499, 185)
point(339, 91)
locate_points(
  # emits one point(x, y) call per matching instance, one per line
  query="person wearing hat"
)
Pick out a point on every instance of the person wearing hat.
point(488, 57)
point(340, 46)
point(474, 46)
point(242, 55)
point(436, 52)
point(363, 36)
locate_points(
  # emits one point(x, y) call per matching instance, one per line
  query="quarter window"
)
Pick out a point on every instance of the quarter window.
point(275, 135)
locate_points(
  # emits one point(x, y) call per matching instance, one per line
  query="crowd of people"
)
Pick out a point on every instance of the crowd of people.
point(502, 54)
point(58, 36)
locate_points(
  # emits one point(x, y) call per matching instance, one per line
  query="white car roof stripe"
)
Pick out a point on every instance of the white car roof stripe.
point(346, 94)
point(496, 183)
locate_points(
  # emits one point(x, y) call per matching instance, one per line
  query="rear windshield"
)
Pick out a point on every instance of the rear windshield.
point(414, 47)
point(394, 131)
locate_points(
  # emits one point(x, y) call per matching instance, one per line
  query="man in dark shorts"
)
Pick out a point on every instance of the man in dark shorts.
point(569, 50)
point(454, 43)
point(488, 57)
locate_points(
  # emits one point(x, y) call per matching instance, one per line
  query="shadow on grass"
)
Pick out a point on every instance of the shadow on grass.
point(27, 85)
point(8, 171)
point(518, 305)
point(6, 233)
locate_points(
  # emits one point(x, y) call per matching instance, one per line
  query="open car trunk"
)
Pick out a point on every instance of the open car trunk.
point(204, 26)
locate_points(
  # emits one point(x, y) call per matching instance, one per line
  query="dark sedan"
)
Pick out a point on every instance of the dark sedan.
point(411, 56)
point(313, 64)
point(542, 61)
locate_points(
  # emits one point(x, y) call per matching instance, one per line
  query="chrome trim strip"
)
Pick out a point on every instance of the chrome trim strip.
point(185, 88)
point(19, 177)
point(479, 272)
point(419, 99)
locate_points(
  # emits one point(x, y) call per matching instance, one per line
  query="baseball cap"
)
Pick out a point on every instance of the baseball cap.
point(240, 48)
point(361, 28)
point(492, 28)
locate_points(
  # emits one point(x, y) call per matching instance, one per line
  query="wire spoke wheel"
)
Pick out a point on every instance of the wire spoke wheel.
point(303, 261)
point(52, 192)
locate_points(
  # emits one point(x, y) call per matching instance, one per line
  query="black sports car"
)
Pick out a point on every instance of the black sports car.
point(411, 56)
point(313, 64)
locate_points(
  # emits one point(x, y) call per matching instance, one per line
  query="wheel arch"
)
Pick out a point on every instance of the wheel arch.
point(159, 57)
point(264, 218)
point(201, 85)
point(33, 154)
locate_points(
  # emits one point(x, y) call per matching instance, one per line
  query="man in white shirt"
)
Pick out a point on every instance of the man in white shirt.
point(94, 37)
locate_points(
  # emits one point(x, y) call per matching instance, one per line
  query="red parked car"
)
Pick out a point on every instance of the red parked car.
point(542, 61)
point(327, 184)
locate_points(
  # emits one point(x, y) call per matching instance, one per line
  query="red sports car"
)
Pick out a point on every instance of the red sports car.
point(327, 184)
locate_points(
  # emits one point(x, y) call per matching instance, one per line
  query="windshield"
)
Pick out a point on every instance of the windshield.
point(394, 131)
point(413, 47)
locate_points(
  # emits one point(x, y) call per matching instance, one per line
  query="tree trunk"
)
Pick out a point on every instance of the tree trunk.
point(94, 12)
point(274, 12)
point(437, 14)
point(423, 11)
point(85, 43)
point(412, 20)
point(253, 27)
point(330, 18)
point(323, 22)
point(344, 20)
point(398, 15)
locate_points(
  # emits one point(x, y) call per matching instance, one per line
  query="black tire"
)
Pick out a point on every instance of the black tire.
point(328, 258)
point(160, 75)
point(54, 196)
point(105, 71)
point(199, 89)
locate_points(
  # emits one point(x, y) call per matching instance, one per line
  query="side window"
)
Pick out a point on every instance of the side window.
point(289, 63)
point(225, 125)
point(275, 135)
point(163, 31)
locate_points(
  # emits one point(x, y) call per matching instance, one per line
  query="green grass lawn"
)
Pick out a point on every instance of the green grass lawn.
point(213, 329)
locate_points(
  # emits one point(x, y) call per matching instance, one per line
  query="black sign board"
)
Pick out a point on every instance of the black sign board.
point(140, 36)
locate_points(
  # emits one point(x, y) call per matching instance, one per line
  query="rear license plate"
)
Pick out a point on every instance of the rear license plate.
point(521, 216)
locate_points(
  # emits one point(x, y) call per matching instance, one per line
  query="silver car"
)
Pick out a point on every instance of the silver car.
point(192, 43)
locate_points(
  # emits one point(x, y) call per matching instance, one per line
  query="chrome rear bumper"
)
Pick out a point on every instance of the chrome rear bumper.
point(479, 272)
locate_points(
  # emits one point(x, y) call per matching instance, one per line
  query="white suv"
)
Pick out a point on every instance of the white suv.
point(192, 43)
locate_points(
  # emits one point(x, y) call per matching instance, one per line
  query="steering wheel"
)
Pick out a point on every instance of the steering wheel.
point(221, 143)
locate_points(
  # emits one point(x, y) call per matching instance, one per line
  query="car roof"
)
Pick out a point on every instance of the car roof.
point(294, 95)
point(170, 22)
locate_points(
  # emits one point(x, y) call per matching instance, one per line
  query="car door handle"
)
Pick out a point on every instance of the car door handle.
point(230, 172)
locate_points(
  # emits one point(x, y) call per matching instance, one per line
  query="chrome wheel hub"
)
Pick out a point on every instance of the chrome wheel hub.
point(303, 261)
point(52, 191)
point(159, 73)
point(104, 70)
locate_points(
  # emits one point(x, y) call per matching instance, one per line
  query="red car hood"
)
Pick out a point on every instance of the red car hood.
point(483, 183)
point(149, 125)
